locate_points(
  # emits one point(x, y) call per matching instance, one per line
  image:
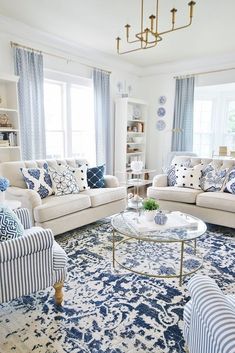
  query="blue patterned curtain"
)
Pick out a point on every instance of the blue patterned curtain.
point(29, 67)
point(104, 146)
point(182, 135)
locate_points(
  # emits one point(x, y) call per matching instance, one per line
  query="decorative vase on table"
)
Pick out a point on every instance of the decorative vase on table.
point(160, 218)
point(149, 215)
point(4, 183)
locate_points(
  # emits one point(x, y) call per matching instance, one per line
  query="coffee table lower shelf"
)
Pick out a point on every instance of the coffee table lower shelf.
point(183, 244)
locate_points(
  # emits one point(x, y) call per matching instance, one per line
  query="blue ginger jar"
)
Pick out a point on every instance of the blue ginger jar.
point(160, 218)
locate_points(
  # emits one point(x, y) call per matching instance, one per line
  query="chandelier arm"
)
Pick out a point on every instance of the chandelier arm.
point(157, 8)
point(154, 44)
point(142, 22)
point(175, 29)
point(130, 51)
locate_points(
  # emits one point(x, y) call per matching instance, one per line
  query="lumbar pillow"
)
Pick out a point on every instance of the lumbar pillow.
point(63, 181)
point(230, 185)
point(38, 179)
point(189, 177)
point(95, 177)
point(171, 177)
point(80, 174)
point(213, 178)
point(10, 225)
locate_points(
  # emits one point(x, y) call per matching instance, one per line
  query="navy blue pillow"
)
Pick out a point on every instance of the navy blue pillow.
point(95, 177)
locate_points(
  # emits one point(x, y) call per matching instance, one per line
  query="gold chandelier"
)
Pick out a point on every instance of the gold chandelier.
point(149, 37)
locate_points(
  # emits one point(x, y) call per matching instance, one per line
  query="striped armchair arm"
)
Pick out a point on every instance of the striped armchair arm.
point(212, 320)
point(34, 241)
point(24, 217)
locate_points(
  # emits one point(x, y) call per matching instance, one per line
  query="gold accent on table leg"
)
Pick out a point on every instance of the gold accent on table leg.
point(181, 263)
point(113, 248)
point(59, 295)
point(195, 246)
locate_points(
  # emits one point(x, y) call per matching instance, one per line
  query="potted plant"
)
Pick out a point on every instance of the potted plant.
point(4, 183)
point(150, 206)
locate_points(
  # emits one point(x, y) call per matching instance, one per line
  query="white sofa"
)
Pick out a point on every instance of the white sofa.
point(64, 213)
point(212, 207)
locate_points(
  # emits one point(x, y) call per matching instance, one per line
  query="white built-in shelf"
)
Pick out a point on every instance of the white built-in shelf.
point(136, 121)
point(135, 143)
point(7, 129)
point(134, 153)
point(133, 132)
point(9, 147)
point(8, 110)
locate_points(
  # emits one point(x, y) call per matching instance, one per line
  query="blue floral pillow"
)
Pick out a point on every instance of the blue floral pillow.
point(230, 185)
point(213, 179)
point(10, 225)
point(38, 179)
point(95, 177)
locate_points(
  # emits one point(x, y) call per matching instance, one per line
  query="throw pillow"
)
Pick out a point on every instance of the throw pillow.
point(189, 177)
point(38, 179)
point(95, 177)
point(63, 181)
point(171, 177)
point(80, 174)
point(10, 225)
point(230, 185)
point(213, 178)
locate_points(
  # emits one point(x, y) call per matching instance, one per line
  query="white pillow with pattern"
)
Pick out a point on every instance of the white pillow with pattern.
point(189, 177)
point(63, 181)
point(80, 175)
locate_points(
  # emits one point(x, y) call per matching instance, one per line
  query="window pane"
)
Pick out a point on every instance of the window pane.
point(53, 102)
point(231, 116)
point(55, 144)
point(82, 108)
point(202, 127)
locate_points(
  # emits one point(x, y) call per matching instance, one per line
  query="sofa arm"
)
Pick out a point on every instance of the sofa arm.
point(160, 180)
point(111, 181)
point(35, 241)
point(28, 198)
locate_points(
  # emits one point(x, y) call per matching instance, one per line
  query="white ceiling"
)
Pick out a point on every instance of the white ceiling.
point(96, 23)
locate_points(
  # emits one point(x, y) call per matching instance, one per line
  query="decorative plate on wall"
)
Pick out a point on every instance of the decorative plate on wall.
point(161, 125)
point(162, 100)
point(161, 112)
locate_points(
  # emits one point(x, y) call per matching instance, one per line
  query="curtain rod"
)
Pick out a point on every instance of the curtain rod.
point(13, 44)
point(204, 72)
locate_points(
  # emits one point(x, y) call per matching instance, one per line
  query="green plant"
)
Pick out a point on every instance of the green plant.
point(150, 205)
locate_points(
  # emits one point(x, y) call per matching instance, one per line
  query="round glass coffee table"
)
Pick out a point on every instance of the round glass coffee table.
point(158, 251)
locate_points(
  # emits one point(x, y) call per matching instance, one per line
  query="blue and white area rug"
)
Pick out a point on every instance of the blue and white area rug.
point(107, 311)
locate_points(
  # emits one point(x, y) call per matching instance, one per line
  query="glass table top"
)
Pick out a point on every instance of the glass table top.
point(179, 227)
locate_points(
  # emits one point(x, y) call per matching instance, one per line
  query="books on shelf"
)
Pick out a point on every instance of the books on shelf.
point(8, 139)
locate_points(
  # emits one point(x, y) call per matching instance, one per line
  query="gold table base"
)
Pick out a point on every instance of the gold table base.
point(182, 248)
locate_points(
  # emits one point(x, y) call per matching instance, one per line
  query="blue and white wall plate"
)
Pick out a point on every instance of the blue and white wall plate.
point(160, 125)
point(161, 112)
point(162, 100)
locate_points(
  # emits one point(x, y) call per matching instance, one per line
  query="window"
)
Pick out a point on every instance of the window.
point(214, 119)
point(69, 120)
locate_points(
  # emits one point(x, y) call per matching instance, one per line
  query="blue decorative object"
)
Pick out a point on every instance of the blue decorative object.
point(95, 177)
point(113, 311)
point(162, 100)
point(161, 125)
point(230, 185)
point(161, 112)
point(4, 183)
point(160, 218)
point(38, 179)
point(10, 226)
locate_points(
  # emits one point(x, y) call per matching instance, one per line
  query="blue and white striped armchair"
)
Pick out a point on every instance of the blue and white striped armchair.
point(31, 263)
point(209, 318)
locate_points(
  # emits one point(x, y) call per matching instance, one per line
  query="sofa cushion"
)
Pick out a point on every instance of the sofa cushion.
point(53, 206)
point(230, 182)
point(189, 177)
point(173, 193)
point(80, 175)
point(105, 195)
point(217, 200)
point(38, 179)
point(10, 225)
point(95, 177)
point(213, 178)
point(63, 181)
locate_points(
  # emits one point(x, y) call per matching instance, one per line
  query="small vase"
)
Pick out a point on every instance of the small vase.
point(160, 218)
point(2, 196)
point(149, 215)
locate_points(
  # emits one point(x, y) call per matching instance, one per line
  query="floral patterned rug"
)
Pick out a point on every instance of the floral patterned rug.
point(107, 310)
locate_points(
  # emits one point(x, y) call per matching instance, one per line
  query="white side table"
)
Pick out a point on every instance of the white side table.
point(12, 204)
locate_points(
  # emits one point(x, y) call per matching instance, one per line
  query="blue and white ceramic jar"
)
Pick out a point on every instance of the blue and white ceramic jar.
point(160, 218)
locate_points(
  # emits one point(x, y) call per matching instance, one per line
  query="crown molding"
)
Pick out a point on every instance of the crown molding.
point(84, 54)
